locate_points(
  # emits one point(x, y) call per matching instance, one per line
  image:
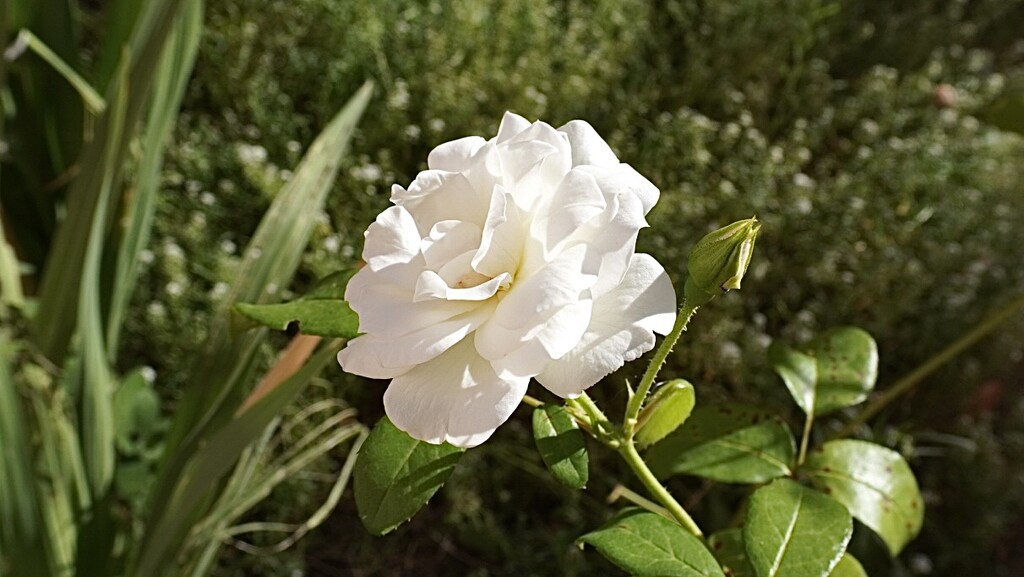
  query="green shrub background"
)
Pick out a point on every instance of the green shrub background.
point(865, 135)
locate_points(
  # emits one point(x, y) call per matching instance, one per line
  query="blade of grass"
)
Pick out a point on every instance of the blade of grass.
point(26, 40)
point(10, 276)
point(207, 411)
point(270, 261)
point(97, 380)
point(44, 116)
point(168, 90)
point(167, 531)
point(22, 519)
point(58, 301)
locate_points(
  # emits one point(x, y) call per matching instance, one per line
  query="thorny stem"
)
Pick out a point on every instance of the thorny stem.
point(636, 402)
point(934, 363)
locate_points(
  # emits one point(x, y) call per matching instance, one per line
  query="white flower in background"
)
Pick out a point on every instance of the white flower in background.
point(509, 259)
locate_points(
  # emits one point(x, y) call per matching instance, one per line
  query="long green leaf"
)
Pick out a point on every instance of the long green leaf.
point(227, 360)
point(198, 482)
point(101, 165)
point(168, 89)
point(24, 545)
point(271, 258)
point(97, 379)
point(47, 124)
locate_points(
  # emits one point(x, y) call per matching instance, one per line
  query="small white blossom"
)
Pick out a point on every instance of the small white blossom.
point(252, 153)
point(332, 243)
point(803, 181)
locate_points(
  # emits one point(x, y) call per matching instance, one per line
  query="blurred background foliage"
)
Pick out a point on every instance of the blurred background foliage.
point(878, 141)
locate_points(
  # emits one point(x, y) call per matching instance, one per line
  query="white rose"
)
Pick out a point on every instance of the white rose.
point(509, 259)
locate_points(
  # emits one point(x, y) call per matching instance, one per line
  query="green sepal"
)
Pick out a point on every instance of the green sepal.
point(664, 412)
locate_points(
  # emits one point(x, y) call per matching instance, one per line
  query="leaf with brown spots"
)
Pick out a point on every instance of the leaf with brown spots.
point(729, 443)
point(874, 483)
point(838, 371)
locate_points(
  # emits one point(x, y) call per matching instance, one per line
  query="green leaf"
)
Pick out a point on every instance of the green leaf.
point(664, 412)
point(200, 479)
point(220, 375)
point(874, 483)
point(139, 427)
point(793, 531)
point(23, 508)
point(174, 70)
point(848, 566)
point(798, 370)
point(561, 445)
point(648, 545)
point(96, 190)
point(396, 475)
point(727, 546)
point(839, 370)
point(325, 318)
point(729, 443)
point(847, 368)
point(322, 312)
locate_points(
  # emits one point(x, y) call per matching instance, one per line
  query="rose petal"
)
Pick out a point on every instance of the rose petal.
point(455, 156)
point(621, 329)
point(587, 145)
point(551, 340)
point(437, 196)
point(511, 125)
point(456, 397)
point(610, 241)
point(502, 241)
point(624, 179)
point(536, 297)
point(447, 240)
point(376, 357)
point(392, 239)
point(389, 310)
point(432, 286)
point(577, 200)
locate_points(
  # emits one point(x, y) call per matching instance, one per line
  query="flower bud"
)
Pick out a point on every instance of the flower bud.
point(719, 260)
point(666, 409)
